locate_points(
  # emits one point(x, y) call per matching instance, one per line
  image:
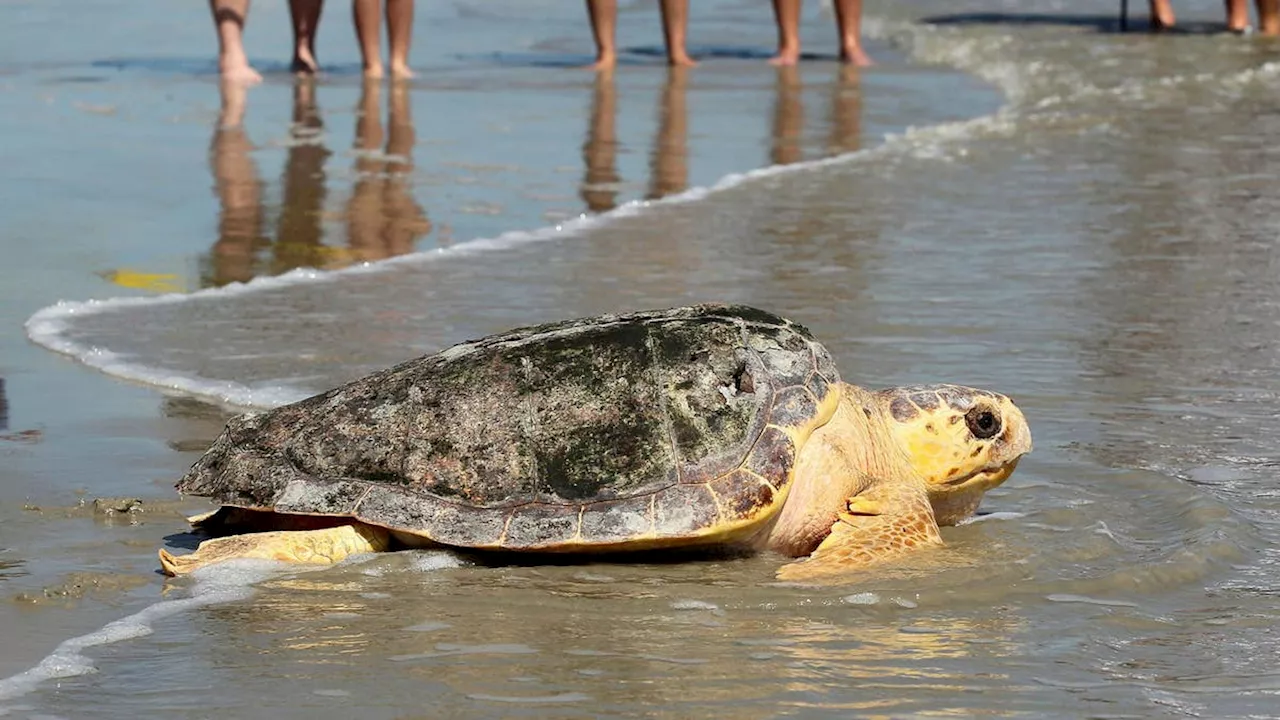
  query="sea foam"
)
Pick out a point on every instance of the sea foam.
point(214, 585)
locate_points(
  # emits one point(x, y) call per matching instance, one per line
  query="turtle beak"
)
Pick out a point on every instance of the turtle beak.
point(1015, 441)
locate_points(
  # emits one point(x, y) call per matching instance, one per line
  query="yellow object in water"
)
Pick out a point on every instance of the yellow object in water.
point(154, 282)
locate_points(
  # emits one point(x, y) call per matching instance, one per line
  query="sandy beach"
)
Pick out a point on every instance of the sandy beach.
point(1017, 197)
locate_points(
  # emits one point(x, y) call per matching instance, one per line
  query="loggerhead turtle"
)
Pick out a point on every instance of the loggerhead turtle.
point(712, 426)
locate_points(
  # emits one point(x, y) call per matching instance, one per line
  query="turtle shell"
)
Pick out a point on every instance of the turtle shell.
point(653, 429)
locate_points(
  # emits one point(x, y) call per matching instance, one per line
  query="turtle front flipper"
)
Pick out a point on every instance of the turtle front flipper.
point(884, 522)
point(315, 547)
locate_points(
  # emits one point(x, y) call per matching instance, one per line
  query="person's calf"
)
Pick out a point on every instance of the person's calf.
point(1162, 17)
point(1268, 17)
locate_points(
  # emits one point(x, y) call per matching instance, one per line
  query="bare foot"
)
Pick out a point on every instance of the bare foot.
point(856, 57)
point(400, 71)
point(238, 72)
point(785, 58)
point(604, 61)
point(304, 63)
point(373, 71)
point(1162, 17)
point(681, 60)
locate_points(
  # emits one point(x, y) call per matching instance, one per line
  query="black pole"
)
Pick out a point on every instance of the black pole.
point(1124, 15)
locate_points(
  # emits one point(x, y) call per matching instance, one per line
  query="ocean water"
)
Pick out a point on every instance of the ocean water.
point(1017, 197)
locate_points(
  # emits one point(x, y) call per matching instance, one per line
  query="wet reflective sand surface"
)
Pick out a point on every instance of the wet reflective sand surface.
point(1097, 240)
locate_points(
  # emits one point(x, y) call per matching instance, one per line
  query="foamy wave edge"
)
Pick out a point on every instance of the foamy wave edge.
point(48, 326)
point(219, 584)
point(215, 585)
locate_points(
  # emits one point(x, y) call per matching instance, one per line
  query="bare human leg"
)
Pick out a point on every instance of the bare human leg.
point(368, 20)
point(849, 23)
point(305, 15)
point(1269, 17)
point(399, 33)
point(786, 14)
point(604, 25)
point(1237, 15)
point(675, 23)
point(229, 17)
point(1162, 17)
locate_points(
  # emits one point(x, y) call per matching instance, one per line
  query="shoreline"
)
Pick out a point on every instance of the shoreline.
point(47, 326)
point(133, 439)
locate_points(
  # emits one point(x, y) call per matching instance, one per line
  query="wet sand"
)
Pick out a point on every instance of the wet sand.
point(1095, 238)
point(126, 183)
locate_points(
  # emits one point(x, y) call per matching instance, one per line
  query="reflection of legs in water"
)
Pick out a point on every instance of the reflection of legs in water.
point(668, 163)
point(405, 219)
point(368, 20)
point(299, 230)
point(1162, 16)
point(305, 15)
point(786, 14)
point(229, 17)
point(235, 178)
point(846, 112)
point(383, 220)
point(364, 214)
point(604, 24)
point(600, 151)
point(788, 117)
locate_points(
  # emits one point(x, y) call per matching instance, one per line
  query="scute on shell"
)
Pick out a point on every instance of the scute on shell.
point(650, 427)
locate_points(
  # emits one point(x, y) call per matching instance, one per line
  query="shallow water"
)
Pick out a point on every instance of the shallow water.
point(1100, 246)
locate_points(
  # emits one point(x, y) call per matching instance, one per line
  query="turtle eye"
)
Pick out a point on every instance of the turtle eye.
point(982, 422)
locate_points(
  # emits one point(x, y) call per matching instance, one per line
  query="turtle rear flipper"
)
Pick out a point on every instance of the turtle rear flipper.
point(886, 521)
point(325, 546)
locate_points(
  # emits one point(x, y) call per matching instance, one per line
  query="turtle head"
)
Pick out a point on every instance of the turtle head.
point(962, 441)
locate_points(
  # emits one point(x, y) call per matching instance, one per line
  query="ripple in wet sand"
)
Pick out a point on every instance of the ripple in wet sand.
point(533, 700)
point(448, 649)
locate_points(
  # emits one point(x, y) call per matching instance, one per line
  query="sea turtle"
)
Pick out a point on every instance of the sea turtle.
point(711, 426)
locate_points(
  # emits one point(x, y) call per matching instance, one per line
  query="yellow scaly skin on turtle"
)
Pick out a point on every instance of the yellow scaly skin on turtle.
point(870, 485)
point(875, 482)
point(962, 441)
